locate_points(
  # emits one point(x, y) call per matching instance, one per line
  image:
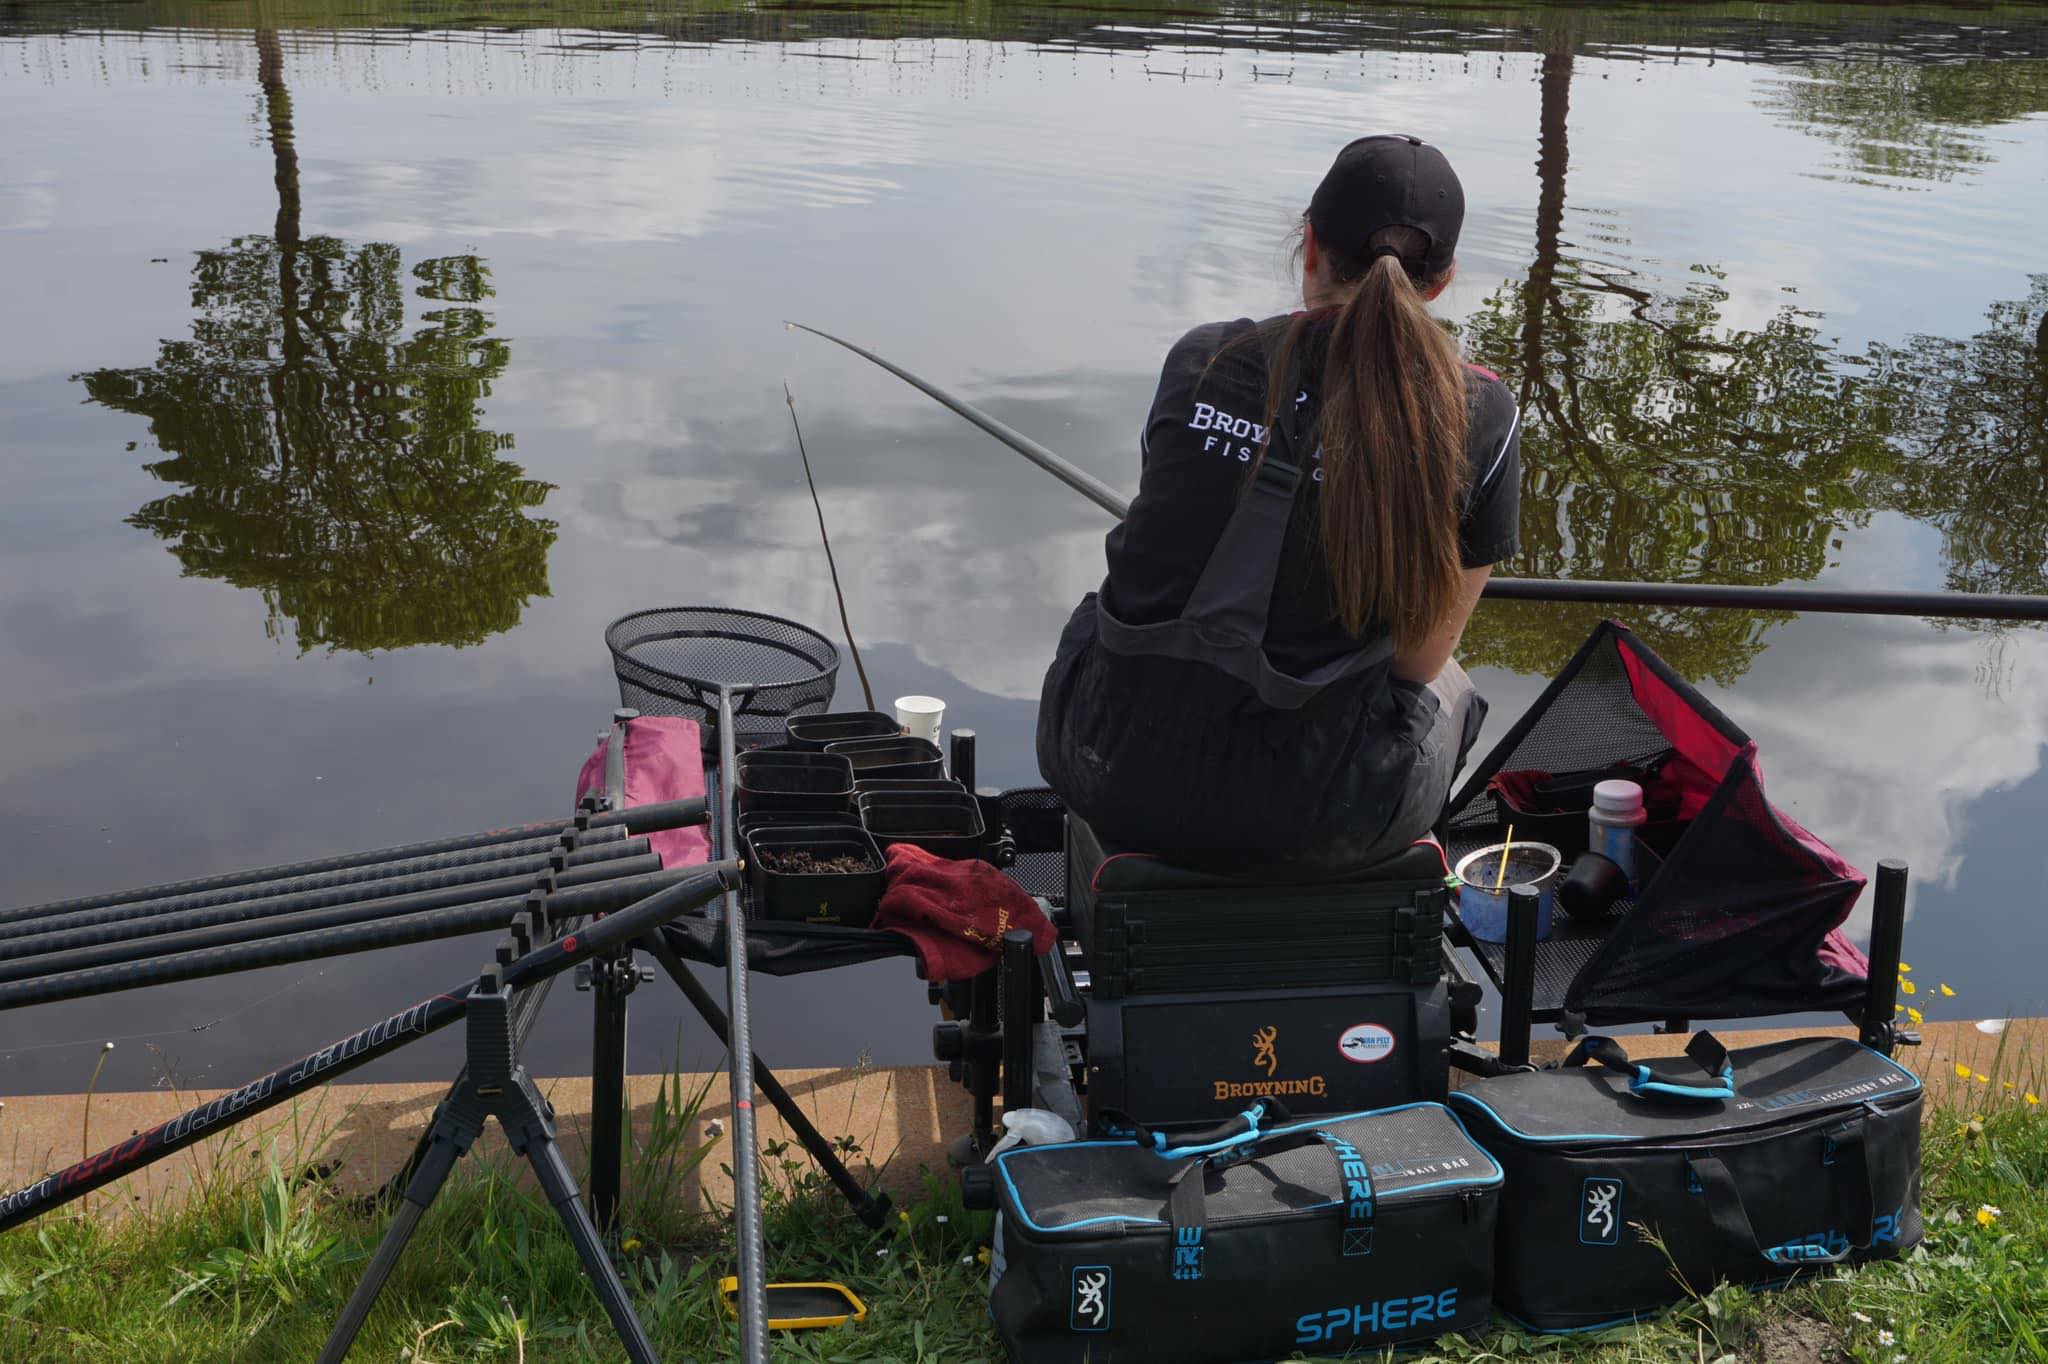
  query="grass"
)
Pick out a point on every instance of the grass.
point(255, 1265)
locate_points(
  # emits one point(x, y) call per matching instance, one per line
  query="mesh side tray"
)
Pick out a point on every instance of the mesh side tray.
point(1732, 920)
point(672, 660)
point(1034, 817)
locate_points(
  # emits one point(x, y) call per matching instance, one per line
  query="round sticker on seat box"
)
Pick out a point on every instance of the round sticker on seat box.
point(1366, 1043)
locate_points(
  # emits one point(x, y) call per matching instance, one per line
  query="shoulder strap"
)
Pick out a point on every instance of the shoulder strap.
point(1235, 591)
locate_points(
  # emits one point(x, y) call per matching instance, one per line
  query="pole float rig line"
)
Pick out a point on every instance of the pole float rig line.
point(1948, 605)
point(696, 886)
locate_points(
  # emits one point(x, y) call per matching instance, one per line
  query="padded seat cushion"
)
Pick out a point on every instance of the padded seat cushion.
point(1108, 867)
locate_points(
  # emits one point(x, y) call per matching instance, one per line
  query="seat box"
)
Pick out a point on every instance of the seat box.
point(1182, 1059)
point(1148, 927)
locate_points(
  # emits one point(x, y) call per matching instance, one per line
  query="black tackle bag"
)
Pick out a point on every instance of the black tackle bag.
point(1364, 1229)
point(1749, 1166)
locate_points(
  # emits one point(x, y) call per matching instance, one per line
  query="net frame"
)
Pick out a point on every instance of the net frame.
point(781, 668)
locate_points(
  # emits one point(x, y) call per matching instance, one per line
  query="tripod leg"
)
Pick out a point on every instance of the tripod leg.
point(560, 1187)
point(448, 1141)
point(872, 1209)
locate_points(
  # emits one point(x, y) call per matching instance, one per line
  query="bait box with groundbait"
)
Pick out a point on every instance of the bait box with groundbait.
point(818, 897)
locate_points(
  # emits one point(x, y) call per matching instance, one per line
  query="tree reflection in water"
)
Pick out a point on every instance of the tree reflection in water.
point(1973, 434)
point(326, 459)
point(1661, 443)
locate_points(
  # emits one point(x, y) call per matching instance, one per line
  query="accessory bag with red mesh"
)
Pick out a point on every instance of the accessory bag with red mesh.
point(1739, 909)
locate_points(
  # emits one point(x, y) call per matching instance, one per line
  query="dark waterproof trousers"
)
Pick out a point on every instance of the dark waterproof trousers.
point(1178, 759)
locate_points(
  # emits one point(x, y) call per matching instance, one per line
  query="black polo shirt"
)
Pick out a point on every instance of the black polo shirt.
point(1205, 428)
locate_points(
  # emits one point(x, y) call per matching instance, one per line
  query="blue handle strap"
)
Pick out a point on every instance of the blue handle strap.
point(1187, 1214)
point(1669, 1079)
point(1241, 1130)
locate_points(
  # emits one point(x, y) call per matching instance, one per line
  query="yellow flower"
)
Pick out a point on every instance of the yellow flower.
point(1908, 987)
point(1915, 1017)
point(1982, 1078)
point(1986, 1214)
point(2008, 1086)
point(2032, 1098)
point(1904, 967)
point(1962, 1071)
point(1946, 992)
point(630, 1244)
point(904, 1218)
point(981, 1256)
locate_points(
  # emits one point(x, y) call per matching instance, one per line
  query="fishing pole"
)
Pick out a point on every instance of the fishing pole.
point(638, 819)
point(232, 925)
point(379, 1039)
point(602, 898)
point(157, 916)
point(1949, 605)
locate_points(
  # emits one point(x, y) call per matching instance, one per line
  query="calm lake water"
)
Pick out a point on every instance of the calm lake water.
point(358, 369)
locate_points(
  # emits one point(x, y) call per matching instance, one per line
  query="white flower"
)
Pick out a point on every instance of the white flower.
point(1861, 1317)
point(942, 1219)
point(1886, 1339)
point(1991, 1027)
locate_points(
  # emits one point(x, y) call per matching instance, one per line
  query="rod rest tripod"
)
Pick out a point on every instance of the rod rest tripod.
point(495, 1085)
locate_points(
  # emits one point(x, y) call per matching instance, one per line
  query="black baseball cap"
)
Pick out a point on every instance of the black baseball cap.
point(1390, 180)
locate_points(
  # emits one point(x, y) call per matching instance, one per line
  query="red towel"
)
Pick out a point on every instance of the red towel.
point(956, 912)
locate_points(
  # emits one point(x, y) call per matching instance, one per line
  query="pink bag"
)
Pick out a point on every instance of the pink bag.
point(663, 762)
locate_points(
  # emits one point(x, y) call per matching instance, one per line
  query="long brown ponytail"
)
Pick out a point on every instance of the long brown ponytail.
point(1392, 427)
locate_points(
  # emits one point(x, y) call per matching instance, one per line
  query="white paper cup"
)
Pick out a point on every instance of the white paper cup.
point(921, 716)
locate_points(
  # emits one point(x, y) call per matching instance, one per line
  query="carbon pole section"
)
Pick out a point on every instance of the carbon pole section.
point(1949, 605)
point(231, 925)
point(525, 849)
point(640, 819)
point(602, 898)
point(746, 1161)
point(120, 922)
point(1082, 482)
point(379, 1039)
